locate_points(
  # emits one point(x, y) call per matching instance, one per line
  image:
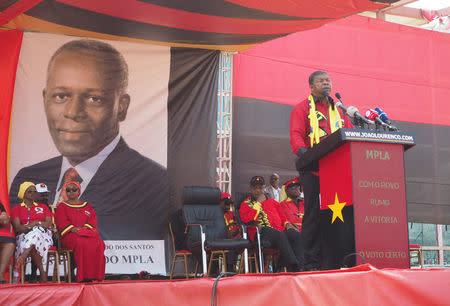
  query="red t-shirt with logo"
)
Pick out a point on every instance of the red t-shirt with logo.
point(37, 212)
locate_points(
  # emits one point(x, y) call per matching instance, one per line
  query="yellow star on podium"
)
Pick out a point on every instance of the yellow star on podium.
point(337, 209)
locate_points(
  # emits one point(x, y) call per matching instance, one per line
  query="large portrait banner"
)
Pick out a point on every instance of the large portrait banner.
point(130, 123)
point(95, 112)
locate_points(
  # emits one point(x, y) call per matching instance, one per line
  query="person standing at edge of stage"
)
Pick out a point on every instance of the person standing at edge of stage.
point(312, 120)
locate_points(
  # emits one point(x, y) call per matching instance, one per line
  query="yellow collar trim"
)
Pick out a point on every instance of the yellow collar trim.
point(76, 205)
point(25, 205)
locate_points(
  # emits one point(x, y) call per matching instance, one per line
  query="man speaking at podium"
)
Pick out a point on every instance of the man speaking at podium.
point(312, 120)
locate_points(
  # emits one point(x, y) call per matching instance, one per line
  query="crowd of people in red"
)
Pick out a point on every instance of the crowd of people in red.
point(278, 212)
point(37, 224)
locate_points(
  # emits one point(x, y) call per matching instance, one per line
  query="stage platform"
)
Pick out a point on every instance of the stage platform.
point(362, 285)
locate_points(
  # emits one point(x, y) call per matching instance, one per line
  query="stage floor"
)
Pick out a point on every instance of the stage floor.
point(362, 285)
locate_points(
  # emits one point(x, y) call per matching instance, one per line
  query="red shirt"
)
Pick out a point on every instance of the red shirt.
point(300, 125)
point(293, 213)
point(37, 212)
point(69, 216)
point(273, 210)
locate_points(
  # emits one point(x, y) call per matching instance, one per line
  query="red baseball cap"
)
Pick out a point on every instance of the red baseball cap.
point(225, 195)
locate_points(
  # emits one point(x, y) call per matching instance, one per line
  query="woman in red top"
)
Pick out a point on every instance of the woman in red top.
point(77, 224)
point(6, 244)
point(31, 222)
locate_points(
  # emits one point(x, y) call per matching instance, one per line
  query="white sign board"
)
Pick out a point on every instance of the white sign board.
point(134, 256)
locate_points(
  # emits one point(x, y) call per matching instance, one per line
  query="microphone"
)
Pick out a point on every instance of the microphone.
point(382, 115)
point(385, 119)
point(353, 113)
point(340, 104)
point(371, 114)
point(328, 98)
point(374, 115)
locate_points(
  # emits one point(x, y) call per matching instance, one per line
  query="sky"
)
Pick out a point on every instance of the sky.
point(430, 4)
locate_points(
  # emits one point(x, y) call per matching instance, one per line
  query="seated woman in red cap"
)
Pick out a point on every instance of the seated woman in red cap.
point(31, 222)
point(77, 224)
point(234, 231)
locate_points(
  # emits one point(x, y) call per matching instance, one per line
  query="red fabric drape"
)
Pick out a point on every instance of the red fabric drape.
point(10, 42)
point(363, 285)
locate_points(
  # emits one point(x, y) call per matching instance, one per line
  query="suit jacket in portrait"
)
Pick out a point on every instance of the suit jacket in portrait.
point(129, 192)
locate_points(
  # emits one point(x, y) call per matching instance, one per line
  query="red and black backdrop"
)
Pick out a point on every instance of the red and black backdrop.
point(212, 24)
point(401, 69)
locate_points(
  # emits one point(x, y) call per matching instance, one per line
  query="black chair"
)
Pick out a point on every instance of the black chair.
point(206, 228)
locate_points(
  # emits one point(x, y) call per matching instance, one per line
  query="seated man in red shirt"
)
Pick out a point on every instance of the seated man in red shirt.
point(293, 206)
point(275, 228)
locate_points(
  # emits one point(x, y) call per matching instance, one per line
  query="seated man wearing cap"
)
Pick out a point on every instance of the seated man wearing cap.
point(293, 206)
point(42, 197)
point(275, 228)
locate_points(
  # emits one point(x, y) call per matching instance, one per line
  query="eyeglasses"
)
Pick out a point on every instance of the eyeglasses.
point(68, 189)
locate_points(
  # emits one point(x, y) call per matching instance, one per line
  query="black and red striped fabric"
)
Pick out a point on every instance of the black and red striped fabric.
point(211, 24)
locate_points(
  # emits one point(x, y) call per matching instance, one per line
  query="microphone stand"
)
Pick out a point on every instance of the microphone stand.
point(377, 125)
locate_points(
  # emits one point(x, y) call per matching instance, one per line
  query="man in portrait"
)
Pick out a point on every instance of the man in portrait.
point(85, 100)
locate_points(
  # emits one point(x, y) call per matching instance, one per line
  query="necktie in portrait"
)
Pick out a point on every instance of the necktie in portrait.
point(71, 174)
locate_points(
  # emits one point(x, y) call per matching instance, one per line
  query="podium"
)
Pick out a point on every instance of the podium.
point(362, 197)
